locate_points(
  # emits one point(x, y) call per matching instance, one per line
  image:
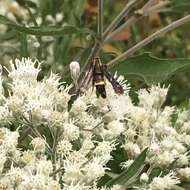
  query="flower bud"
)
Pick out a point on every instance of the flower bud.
point(38, 144)
point(36, 44)
point(50, 18)
point(144, 178)
point(75, 71)
point(88, 37)
point(59, 17)
point(28, 156)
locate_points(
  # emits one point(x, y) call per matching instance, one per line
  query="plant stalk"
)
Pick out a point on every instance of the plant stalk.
point(146, 10)
point(129, 6)
point(148, 40)
point(54, 151)
point(100, 18)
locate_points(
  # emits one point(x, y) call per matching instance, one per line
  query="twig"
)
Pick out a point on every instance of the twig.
point(100, 18)
point(149, 39)
point(91, 130)
point(158, 6)
point(56, 171)
point(54, 151)
point(129, 22)
point(146, 10)
point(150, 3)
point(129, 6)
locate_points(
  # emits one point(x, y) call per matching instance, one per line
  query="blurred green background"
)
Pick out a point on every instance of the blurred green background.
point(57, 51)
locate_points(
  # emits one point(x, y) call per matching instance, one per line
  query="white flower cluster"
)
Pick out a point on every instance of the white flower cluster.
point(53, 147)
point(27, 14)
point(12, 9)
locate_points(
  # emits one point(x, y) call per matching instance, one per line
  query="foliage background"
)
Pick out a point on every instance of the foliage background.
point(58, 51)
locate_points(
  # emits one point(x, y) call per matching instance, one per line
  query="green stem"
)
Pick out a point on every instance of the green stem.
point(57, 171)
point(147, 9)
point(54, 151)
point(148, 40)
point(129, 6)
point(100, 18)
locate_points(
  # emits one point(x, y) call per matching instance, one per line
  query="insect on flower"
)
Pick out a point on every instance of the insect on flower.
point(98, 72)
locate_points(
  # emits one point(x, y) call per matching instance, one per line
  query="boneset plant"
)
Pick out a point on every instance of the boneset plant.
point(47, 143)
point(53, 148)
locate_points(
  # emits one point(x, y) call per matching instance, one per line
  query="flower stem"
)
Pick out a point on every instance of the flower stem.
point(54, 150)
point(129, 6)
point(146, 10)
point(100, 18)
point(148, 40)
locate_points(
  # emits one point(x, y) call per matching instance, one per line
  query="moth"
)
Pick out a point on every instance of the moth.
point(98, 72)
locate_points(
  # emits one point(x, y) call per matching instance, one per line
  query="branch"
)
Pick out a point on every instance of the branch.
point(147, 9)
point(54, 150)
point(150, 3)
point(129, 6)
point(56, 171)
point(149, 39)
point(100, 18)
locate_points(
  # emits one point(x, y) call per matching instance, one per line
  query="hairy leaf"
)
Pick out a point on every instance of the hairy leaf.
point(177, 187)
point(45, 30)
point(112, 175)
point(150, 69)
point(135, 168)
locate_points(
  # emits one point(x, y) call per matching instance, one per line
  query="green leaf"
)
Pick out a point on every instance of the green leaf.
point(44, 30)
point(112, 175)
point(177, 187)
point(150, 69)
point(128, 174)
point(155, 173)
